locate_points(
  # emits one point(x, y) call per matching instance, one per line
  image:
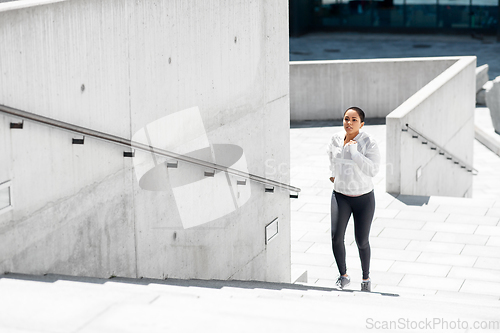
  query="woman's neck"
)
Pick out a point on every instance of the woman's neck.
point(349, 137)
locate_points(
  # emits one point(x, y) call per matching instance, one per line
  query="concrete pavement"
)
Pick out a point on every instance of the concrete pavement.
point(438, 246)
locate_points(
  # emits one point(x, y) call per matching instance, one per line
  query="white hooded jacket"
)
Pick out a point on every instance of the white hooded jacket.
point(353, 166)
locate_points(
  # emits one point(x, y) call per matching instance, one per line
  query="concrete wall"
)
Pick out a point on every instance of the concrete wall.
point(321, 90)
point(116, 66)
point(443, 111)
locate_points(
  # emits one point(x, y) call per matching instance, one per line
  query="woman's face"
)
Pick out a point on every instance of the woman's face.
point(352, 122)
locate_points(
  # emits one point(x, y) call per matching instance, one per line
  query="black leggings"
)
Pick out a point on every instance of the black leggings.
point(362, 208)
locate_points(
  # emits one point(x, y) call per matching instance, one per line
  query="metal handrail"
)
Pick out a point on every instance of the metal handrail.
point(129, 143)
point(443, 151)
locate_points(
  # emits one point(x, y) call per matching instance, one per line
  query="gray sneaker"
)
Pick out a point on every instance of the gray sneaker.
point(343, 281)
point(366, 285)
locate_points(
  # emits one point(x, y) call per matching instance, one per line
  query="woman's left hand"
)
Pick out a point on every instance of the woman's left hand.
point(353, 146)
point(352, 142)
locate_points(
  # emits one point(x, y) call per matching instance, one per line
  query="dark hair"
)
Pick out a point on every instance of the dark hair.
point(360, 112)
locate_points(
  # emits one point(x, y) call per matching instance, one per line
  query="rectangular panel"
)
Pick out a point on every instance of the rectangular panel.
point(271, 230)
point(5, 199)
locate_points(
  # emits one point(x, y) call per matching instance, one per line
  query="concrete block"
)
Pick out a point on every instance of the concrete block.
point(493, 103)
point(379, 85)
point(481, 94)
point(481, 76)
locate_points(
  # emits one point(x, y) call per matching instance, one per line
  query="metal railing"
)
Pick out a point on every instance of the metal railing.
point(441, 150)
point(139, 146)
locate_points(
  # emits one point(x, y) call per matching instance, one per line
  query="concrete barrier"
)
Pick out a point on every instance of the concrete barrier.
point(481, 76)
point(442, 111)
point(321, 90)
point(481, 84)
point(493, 103)
point(117, 67)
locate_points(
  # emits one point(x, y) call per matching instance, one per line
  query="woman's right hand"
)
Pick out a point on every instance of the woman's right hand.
point(332, 179)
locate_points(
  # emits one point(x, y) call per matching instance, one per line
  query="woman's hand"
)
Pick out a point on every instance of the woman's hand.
point(352, 146)
point(332, 179)
point(352, 142)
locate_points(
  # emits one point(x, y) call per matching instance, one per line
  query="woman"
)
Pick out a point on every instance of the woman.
point(354, 160)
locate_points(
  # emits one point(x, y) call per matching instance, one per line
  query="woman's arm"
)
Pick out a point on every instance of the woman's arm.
point(369, 162)
point(329, 151)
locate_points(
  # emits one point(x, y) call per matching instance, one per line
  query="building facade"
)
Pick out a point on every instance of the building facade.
point(412, 16)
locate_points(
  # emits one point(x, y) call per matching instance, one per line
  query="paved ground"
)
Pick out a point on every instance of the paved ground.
point(430, 246)
point(447, 247)
point(333, 46)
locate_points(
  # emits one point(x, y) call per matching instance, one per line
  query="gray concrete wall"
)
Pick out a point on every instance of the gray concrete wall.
point(117, 66)
point(443, 111)
point(321, 90)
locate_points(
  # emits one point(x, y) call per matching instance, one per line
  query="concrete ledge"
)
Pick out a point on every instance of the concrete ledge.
point(417, 169)
point(488, 138)
point(14, 5)
point(481, 76)
point(321, 90)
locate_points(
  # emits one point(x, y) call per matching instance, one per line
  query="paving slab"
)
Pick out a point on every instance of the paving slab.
point(450, 227)
point(475, 274)
point(488, 230)
point(412, 234)
point(388, 243)
point(435, 247)
point(476, 220)
point(462, 238)
point(489, 263)
point(447, 259)
point(482, 251)
point(473, 286)
point(418, 268)
point(433, 282)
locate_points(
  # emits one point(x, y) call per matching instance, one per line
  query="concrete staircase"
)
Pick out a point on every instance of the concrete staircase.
point(54, 303)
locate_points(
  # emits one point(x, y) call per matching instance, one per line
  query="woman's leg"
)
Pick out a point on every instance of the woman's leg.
point(340, 213)
point(363, 211)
